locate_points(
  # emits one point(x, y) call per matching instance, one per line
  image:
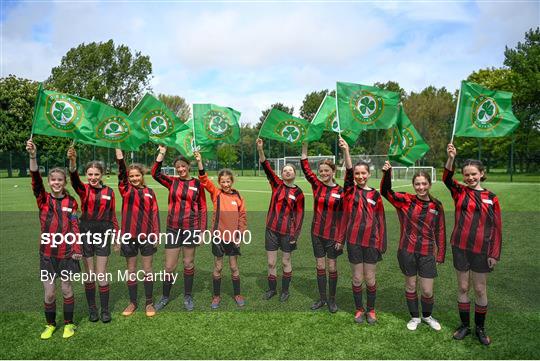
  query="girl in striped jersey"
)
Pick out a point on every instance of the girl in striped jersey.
point(422, 242)
point(364, 230)
point(98, 219)
point(230, 222)
point(283, 223)
point(326, 232)
point(140, 217)
point(186, 220)
point(57, 214)
point(476, 240)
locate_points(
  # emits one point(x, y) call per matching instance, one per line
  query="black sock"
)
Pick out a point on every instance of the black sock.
point(272, 283)
point(357, 296)
point(286, 281)
point(412, 303)
point(332, 284)
point(321, 283)
point(132, 290)
point(69, 306)
point(216, 282)
point(465, 312)
point(90, 291)
point(480, 315)
point(188, 280)
point(104, 297)
point(371, 296)
point(149, 290)
point(427, 305)
point(167, 284)
point(236, 285)
point(50, 313)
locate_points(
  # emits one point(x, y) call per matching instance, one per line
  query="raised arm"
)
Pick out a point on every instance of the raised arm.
point(260, 150)
point(74, 178)
point(448, 174)
point(37, 182)
point(397, 199)
point(346, 152)
point(123, 181)
point(304, 164)
point(161, 178)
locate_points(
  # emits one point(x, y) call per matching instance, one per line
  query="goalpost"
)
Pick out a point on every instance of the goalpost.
point(278, 163)
point(406, 173)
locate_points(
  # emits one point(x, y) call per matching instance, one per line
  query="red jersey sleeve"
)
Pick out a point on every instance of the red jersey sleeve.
point(274, 180)
point(123, 182)
point(77, 249)
point(77, 184)
point(113, 210)
point(382, 224)
point(155, 214)
point(310, 176)
point(450, 183)
point(38, 188)
point(298, 216)
point(440, 234)
point(348, 184)
point(161, 178)
point(397, 199)
point(494, 250)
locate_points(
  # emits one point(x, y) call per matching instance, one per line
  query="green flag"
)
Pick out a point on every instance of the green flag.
point(363, 107)
point(407, 144)
point(324, 120)
point(157, 120)
point(283, 127)
point(215, 124)
point(186, 144)
point(484, 113)
point(91, 122)
point(61, 115)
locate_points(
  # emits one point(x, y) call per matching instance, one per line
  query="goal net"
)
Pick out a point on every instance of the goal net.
point(406, 173)
point(278, 163)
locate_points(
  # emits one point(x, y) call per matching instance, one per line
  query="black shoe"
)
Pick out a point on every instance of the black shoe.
point(482, 337)
point(318, 304)
point(269, 294)
point(284, 296)
point(461, 332)
point(105, 316)
point(93, 314)
point(332, 307)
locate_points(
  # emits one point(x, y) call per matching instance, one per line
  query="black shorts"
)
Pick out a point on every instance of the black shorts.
point(177, 238)
point(90, 246)
point(412, 264)
point(359, 254)
point(324, 248)
point(132, 248)
point(54, 266)
point(224, 249)
point(275, 241)
point(467, 261)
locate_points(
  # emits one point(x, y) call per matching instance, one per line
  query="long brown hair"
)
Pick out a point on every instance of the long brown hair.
point(426, 175)
point(140, 168)
point(64, 174)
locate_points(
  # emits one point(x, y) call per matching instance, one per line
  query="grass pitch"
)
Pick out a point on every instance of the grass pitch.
point(267, 330)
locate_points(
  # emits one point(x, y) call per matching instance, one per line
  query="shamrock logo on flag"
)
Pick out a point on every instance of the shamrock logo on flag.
point(218, 125)
point(158, 125)
point(366, 106)
point(62, 112)
point(291, 133)
point(486, 111)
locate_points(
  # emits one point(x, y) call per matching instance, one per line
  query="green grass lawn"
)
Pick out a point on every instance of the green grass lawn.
point(267, 330)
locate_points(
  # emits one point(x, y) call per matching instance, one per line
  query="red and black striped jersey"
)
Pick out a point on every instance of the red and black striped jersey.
point(56, 215)
point(187, 202)
point(478, 225)
point(327, 206)
point(363, 220)
point(286, 211)
point(422, 228)
point(140, 212)
point(97, 204)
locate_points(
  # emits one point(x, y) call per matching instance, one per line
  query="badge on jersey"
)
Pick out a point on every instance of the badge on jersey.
point(292, 197)
point(335, 195)
point(434, 211)
point(234, 203)
point(106, 197)
point(487, 201)
point(371, 201)
point(67, 209)
point(195, 189)
point(148, 195)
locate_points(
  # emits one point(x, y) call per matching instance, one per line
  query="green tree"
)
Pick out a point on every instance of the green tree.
point(177, 105)
point(311, 103)
point(226, 155)
point(109, 73)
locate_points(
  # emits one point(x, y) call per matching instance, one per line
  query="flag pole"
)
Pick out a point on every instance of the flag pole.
point(264, 121)
point(456, 114)
point(36, 106)
point(337, 113)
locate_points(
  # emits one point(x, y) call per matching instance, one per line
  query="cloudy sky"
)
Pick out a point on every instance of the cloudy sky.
point(248, 55)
